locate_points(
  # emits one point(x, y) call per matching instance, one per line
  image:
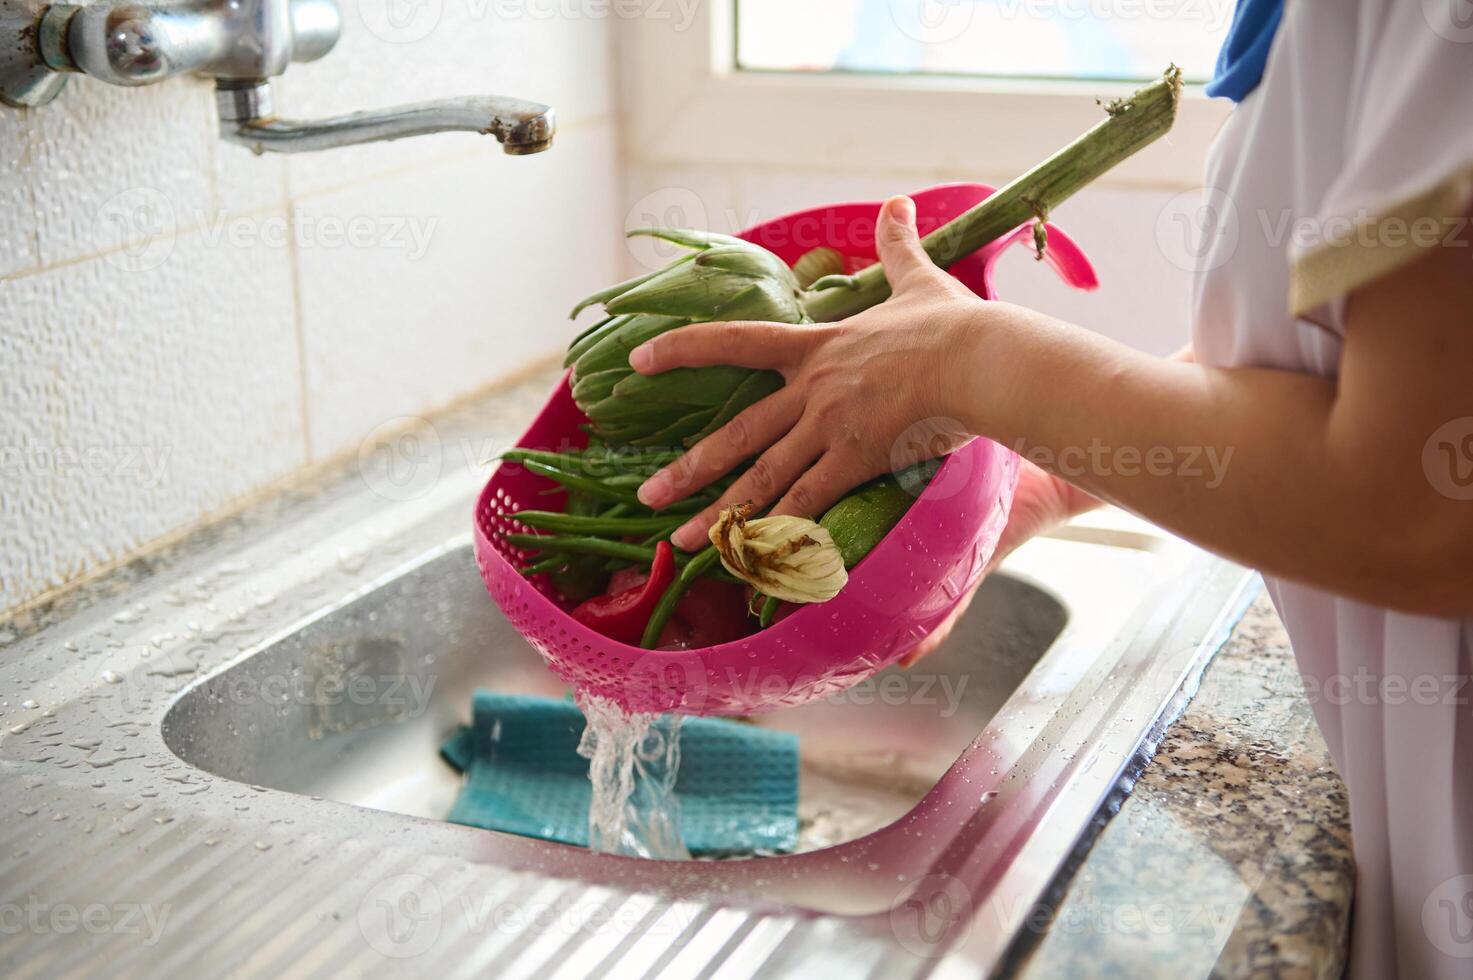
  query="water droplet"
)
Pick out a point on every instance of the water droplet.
point(111, 676)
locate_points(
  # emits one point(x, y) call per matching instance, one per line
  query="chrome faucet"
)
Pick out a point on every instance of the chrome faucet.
point(246, 118)
point(241, 44)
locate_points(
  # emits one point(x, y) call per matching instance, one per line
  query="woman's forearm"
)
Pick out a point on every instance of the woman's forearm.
point(1258, 465)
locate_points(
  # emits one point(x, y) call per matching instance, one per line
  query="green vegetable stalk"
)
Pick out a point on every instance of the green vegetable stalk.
point(726, 278)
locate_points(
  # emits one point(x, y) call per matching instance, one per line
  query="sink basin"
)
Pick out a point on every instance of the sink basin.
point(243, 743)
point(365, 694)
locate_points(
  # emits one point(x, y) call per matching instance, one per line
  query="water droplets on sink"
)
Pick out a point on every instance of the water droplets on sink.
point(130, 615)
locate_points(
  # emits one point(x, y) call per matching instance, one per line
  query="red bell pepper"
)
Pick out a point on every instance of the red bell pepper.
point(622, 615)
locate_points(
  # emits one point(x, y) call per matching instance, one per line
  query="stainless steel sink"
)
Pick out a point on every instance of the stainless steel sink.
point(248, 744)
point(368, 692)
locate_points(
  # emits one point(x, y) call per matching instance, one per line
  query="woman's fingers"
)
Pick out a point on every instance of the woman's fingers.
point(772, 473)
point(746, 435)
point(820, 488)
point(899, 243)
point(762, 346)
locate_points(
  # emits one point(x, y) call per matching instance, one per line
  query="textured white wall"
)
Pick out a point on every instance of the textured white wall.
point(182, 323)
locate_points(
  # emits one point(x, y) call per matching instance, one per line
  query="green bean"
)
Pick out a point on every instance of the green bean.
point(676, 591)
point(642, 458)
point(769, 610)
point(592, 462)
point(585, 484)
point(557, 544)
point(546, 520)
point(603, 547)
point(544, 566)
point(665, 531)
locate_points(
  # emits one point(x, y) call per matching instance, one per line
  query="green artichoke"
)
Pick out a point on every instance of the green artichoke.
point(722, 278)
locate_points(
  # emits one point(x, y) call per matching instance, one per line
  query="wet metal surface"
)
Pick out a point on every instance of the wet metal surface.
point(241, 745)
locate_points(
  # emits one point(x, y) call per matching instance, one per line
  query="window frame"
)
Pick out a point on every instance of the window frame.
point(688, 104)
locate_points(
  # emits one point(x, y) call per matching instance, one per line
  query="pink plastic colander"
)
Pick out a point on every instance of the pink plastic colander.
point(896, 596)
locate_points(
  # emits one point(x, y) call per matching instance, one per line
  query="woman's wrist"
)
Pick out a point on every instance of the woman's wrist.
point(973, 376)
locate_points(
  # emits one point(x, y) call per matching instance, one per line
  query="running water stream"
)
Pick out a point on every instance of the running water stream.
point(633, 760)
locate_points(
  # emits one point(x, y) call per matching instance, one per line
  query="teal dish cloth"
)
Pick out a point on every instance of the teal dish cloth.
point(737, 785)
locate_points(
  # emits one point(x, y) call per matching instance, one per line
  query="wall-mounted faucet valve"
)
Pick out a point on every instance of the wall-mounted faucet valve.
point(241, 44)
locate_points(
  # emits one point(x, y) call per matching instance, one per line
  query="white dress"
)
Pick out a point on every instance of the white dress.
point(1360, 133)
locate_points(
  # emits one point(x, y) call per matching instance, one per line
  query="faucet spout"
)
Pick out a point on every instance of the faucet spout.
point(246, 118)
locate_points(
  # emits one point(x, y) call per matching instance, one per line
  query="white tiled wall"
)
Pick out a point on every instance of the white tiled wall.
point(182, 323)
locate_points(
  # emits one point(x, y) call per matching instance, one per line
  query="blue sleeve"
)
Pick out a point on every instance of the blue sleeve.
point(1245, 50)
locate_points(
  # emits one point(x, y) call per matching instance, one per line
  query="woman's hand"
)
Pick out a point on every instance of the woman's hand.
point(870, 395)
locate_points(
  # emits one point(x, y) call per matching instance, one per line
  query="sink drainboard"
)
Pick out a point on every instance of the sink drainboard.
point(297, 780)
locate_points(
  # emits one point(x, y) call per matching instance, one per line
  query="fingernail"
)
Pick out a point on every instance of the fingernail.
point(903, 209)
point(688, 537)
point(655, 491)
point(642, 358)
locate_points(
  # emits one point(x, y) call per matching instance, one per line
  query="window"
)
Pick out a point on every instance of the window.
point(1115, 40)
point(814, 85)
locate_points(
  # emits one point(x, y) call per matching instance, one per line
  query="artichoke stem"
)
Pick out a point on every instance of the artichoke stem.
point(1129, 125)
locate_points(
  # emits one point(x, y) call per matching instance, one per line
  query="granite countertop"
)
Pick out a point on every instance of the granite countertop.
point(1232, 856)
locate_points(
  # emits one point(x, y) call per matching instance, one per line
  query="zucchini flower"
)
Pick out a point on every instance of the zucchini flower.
point(788, 558)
